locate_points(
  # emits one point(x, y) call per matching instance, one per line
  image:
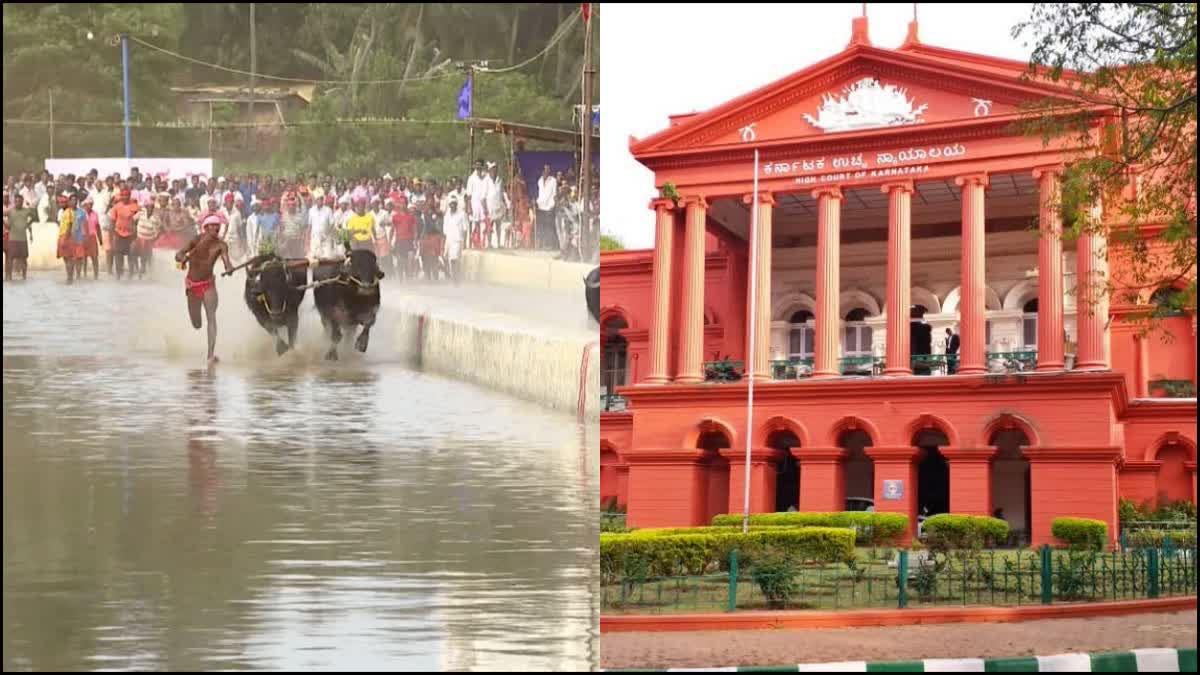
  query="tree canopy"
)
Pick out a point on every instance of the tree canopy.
point(1137, 64)
point(378, 61)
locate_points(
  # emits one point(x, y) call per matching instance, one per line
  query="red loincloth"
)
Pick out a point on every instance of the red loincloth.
point(197, 289)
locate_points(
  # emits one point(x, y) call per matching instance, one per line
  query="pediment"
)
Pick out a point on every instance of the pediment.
point(860, 90)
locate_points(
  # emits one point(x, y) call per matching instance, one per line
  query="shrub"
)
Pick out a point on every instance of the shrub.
point(1080, 533)
point(775, 573)
point(1175, 511)
point(816, 544)
point(872, 529)
point(958, 532)
point(621, 554)
point(613, 525)
point(1158, 538)
point(659, 554)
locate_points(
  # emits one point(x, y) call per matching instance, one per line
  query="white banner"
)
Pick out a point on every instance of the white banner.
point(176, 167)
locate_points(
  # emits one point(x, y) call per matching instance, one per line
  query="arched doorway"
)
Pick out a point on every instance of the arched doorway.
point(1174, 480)
point(1010, 483)
point(616, 350)
point(787, 476)
point(716, 487)
point(933, 473)
point(858, 471)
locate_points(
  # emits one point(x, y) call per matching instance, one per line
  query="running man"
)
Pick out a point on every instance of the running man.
point(200, 284)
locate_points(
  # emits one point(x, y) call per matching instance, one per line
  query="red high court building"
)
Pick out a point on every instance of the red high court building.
point(892, 192)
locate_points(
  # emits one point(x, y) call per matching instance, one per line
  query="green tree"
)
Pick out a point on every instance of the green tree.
point(47, 52)
point(1131, 71)
point(610, 243)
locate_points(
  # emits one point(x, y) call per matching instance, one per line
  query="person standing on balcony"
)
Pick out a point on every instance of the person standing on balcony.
point(952, 343)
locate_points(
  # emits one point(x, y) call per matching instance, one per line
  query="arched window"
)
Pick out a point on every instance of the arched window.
point(1163, 297)
point(1029, 324)
point(800, 340)
point(857, 334)
point(615, 354)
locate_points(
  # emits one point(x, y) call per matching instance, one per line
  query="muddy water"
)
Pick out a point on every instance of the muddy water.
point(276, 512)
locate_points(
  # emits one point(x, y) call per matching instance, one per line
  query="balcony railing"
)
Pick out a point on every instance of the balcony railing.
point(796, 368)
point(1012, 362)
point(612, 402)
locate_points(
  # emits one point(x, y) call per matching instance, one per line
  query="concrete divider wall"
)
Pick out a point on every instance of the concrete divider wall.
point(524, 271)
point(497, 352)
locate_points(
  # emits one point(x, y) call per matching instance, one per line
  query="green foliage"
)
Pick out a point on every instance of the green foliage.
point(872, 529)
point(1148, 538)
point(401, 59)
point(610, 243)
point(953, 531)
point(724, 370)
point(1139, 59)
point(434, 145)
point(1167, 511)
point(612, 525)
point(1080, 533)
point(612, 516)
point(1174, 388)
point(668, 191)
point(775, 573)
point(960, 538)
point(663, 554)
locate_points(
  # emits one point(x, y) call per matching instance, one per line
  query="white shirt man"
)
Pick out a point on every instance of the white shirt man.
point(547, 190)
point(454, 227)
point(477, 186)
point(323, 240)
point(452, 195)
point(252, 231)
point(496, 201)
point(234, 215)
point(383, 222)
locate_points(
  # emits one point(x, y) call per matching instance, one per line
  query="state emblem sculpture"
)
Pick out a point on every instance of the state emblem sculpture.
point(867, 105)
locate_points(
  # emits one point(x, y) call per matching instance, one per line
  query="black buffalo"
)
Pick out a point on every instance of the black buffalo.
point(591, 285)
point(351, 300)
point(274, 292)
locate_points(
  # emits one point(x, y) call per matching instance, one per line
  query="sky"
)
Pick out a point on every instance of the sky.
point(660, 60)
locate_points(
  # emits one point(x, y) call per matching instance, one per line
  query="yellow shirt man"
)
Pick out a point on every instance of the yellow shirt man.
point(361, 227)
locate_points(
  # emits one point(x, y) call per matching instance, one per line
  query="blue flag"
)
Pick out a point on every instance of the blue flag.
point(464, 100)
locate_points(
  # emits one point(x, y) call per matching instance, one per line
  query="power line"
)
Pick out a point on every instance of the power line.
point(559, 34)
point(237, 125)
point(284, 79)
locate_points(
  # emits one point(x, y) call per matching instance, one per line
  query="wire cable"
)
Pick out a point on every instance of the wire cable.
point(559, 34)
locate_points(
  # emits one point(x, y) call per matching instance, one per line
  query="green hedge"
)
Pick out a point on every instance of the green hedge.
point(954, 531)
point(655, 554)
point(873, 529)
point(1156, 538)
point(1081, 533)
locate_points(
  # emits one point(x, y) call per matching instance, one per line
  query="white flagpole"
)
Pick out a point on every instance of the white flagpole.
point(750, 348)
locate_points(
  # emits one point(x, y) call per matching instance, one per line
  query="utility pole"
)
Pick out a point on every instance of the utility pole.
point(586, 155)
point(253, 69)
point(125, 78)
